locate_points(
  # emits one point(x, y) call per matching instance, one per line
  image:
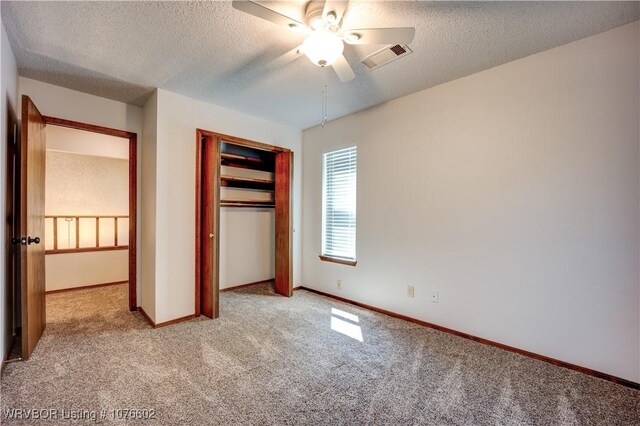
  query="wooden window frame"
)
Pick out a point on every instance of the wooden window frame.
point(339, 260)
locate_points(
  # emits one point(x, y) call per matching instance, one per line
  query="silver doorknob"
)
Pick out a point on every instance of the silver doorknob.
point(211, 235)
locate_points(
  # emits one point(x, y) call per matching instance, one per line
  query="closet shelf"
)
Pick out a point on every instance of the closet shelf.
point(243, 162)
point(247, 203)
point(228, 156)
point(249, 183)
point(245, 179)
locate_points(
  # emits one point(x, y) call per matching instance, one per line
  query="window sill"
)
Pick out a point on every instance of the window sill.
point(338, 260)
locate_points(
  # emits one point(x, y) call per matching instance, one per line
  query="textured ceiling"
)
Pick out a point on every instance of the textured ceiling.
point(210, 51)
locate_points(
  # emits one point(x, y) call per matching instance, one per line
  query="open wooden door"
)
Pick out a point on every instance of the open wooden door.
point(32, 274)
point(283, 267)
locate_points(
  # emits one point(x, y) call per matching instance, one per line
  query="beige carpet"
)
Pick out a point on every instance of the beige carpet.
point(304, 360)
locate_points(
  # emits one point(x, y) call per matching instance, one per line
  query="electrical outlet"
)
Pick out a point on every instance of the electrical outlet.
point(434, 296)
point(339, 284)
point(410, 291)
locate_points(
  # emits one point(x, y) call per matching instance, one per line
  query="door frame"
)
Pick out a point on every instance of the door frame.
point(207, 281)
point(12, 252)
point(133, 190)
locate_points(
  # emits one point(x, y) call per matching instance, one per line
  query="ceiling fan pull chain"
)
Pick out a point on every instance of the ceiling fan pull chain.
point(324, 95)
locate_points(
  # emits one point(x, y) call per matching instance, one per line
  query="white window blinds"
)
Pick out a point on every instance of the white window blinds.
point(339, 203)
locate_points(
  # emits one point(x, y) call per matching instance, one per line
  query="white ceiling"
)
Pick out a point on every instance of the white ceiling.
point(210, 51)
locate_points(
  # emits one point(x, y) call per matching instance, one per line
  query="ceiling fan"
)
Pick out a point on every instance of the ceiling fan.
point(325, 36)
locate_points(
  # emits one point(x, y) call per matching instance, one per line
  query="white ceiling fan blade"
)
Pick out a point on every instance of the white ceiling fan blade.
point(267, 14)
point(343, 69)
point(282, 60)
point(380, 36)
point(335, 6)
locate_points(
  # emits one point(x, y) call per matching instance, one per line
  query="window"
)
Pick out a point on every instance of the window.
point(339, 205)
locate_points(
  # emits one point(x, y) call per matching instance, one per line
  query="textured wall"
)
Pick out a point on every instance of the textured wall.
point(86, 185)
point(513, 192)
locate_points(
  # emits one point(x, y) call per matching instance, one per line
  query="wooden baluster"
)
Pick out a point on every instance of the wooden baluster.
point(55, 233)
point(56, 243)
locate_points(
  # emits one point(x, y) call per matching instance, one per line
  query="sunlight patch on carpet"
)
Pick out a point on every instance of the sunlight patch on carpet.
point(344, 327)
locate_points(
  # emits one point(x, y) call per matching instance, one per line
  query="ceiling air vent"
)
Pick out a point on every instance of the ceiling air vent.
point(386, 55)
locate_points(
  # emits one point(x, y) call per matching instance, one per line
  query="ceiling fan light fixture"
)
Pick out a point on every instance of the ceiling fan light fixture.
point(317, 23)
point(322, 47)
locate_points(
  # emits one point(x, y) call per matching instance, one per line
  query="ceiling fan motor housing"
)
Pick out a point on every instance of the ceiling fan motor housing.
point(313, 14)
point(314, 19)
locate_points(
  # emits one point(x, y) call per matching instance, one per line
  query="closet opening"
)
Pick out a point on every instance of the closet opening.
point(243, 217)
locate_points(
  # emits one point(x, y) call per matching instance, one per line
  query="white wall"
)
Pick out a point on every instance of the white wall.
point(73, 270)
point(65, 139)
point(8, 99)
point(513, 192)
point(247, 242)
point(147, 232)
point(69, 104)
point(177, 120)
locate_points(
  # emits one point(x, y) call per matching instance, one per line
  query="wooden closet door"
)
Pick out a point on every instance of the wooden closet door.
point(283, 261)
point(210, 241)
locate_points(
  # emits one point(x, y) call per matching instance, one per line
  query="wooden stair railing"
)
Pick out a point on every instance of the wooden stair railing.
point(77, 248)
